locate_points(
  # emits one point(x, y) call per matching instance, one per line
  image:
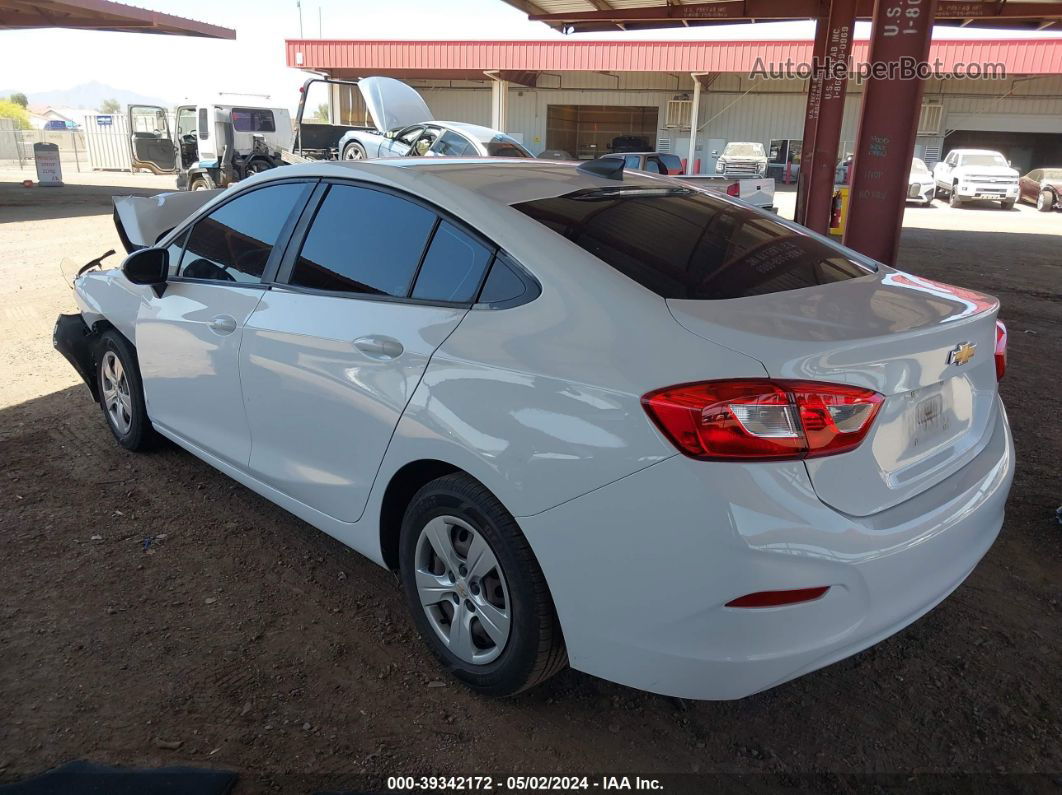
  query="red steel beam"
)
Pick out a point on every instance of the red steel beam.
point(829, 114)
point(811, 127)
point(888, 123)
point(730, 10)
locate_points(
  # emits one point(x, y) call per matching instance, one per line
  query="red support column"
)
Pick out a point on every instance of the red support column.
point(807, 148)
point(830, 115)
point(892, 102)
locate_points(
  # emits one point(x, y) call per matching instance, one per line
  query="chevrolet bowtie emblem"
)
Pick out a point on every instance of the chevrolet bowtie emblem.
point(962, 353)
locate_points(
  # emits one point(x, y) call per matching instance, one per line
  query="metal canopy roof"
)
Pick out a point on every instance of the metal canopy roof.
point(101, 15)
point(585, 16)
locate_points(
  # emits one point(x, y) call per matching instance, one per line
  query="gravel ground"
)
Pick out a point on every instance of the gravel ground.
point(155, 612)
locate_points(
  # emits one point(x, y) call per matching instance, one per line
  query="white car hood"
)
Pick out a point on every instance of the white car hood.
point(989, 171)
point(142, 220)
point(393, 104)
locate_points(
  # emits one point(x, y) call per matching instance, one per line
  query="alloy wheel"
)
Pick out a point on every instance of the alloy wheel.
point(116, 398)
point(462, 590)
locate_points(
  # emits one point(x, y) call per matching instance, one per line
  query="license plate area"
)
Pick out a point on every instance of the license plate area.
point(929, 418)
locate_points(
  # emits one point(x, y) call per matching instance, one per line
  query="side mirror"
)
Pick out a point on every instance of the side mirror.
point(148, 266)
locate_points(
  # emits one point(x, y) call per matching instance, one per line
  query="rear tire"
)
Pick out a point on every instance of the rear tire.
point(122, 394)
point(354, 151)
point(1045, 202)
point(200, 182)
point(475, 590)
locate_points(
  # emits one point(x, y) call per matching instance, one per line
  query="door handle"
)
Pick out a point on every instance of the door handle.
point(382, 348)
point(223, 324)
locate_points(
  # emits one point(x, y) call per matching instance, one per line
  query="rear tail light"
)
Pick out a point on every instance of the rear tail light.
point(1001, 350)
point(733, 189)
point(761, 419)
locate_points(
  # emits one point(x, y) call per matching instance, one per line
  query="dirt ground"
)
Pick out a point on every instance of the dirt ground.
point(155, 612)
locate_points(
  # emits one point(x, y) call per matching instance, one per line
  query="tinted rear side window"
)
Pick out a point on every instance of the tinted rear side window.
point(453, 266)
point(363, 241)
point(687, 244)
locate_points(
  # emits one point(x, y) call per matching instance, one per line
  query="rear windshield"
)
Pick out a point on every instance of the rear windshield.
point(673, 162)
point(744, 150)
point(504, 146)
point(682, 243)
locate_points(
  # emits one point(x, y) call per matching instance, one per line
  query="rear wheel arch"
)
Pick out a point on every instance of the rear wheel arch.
point(404, 484)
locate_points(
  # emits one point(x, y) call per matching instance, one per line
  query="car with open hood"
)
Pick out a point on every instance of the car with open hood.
point(587, 415)
point(403, 126)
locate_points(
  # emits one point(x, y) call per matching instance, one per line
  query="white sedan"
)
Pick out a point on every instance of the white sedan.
point(588, 416)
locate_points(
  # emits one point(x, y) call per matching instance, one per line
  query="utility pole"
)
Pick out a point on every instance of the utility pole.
point(298, 5)
point(320, 24)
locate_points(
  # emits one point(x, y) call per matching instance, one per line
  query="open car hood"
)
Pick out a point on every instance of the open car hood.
point(392, 104)
point(142, 220)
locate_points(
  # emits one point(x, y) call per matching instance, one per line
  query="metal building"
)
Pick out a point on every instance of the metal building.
point(577, 96)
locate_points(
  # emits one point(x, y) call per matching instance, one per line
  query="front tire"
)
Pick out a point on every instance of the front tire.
point(121, 393)
point(475, 590)
point(1007, 204)
point(354, 151)
point(1045, 201)
point(201, 182)
point(953, 199)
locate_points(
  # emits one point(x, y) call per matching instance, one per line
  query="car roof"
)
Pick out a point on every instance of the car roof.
point(977, 152)
point(497, 179)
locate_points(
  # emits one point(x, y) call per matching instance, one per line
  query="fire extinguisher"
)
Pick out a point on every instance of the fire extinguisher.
point(835, 211)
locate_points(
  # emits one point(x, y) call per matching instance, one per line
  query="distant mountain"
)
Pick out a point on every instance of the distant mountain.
point(88, 96)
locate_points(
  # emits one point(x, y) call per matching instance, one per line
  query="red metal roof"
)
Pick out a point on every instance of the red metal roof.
point(454, 59)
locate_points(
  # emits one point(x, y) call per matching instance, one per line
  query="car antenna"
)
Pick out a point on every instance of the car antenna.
point(607, 167)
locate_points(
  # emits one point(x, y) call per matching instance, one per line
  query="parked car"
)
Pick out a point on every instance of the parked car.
point(757, 192)
point(920, 184)
point(434, 139)
point(628, 143)
point(742, 159)
point(556, 154)
point(653, 162)
point(677, 441)
point(967, 174)
point(54, 125)
point(1042, 187)
point(402, 126)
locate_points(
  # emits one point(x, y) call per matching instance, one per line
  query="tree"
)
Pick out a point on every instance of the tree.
point(109, 106)
point(321, 114)
point(19, 99)
point(12, 110)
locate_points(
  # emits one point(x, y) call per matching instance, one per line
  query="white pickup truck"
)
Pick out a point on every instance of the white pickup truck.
point(968, 174)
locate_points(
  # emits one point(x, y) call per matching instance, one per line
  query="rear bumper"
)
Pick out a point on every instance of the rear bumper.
point(641, 570)
point(73, 338)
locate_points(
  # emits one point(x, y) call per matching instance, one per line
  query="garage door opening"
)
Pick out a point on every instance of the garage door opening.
point(588, 131)
point(1025, 151)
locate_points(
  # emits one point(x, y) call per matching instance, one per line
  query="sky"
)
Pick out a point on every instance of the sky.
point(179, 68)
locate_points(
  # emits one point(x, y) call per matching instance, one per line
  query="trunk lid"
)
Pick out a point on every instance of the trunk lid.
point(897, 334)
point(392, 104)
